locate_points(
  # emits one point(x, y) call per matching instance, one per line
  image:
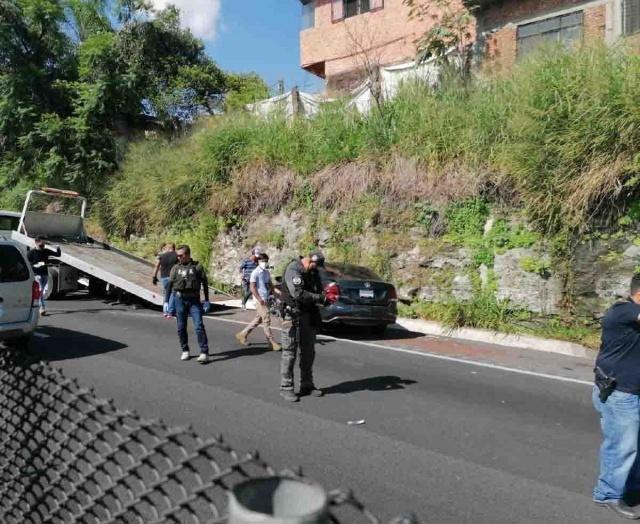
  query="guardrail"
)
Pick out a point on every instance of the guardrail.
point(67, 456)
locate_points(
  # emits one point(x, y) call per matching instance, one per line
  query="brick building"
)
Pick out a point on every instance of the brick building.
point(338, 37)
point(509, 29)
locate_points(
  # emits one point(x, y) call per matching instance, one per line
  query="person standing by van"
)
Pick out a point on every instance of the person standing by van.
point(39, 260)
point(166, 260)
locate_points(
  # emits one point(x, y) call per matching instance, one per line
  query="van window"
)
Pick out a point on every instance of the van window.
point(13, 267)
point(9, 223)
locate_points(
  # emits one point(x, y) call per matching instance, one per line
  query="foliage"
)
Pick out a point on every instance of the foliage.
point(77, 80)
point(539, 265)
point(244, 89)
point(450, 28)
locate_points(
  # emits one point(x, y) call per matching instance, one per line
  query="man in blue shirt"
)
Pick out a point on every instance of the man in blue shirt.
point(246, 268)
point(617, 400)
point(262, 290)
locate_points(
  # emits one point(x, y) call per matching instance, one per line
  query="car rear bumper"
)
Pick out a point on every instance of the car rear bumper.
point(20, 329)
point(359, 315)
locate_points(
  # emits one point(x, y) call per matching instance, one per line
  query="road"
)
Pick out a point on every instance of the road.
point(454, 441)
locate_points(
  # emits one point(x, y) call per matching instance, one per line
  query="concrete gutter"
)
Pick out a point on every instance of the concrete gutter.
point(492, 337)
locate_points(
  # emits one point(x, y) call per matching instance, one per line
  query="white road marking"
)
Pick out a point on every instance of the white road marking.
point(408, 351)
point(433, 355)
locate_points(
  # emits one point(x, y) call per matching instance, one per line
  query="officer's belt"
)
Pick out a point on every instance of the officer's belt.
point(632, 391)
point(187, 294)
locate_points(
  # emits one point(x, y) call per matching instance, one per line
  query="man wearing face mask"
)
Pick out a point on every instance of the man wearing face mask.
point(262, 289)
point(301, 298)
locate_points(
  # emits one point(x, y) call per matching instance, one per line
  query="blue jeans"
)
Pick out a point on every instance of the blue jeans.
point(42, 281)
point(619, 468)
point(172, 298)
point(185, 307)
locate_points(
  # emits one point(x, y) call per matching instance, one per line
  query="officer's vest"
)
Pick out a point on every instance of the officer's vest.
point(286, 295)
point(187, 278)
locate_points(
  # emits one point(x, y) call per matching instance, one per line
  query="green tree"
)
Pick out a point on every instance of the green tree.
point(244, 89)
point(75, 78)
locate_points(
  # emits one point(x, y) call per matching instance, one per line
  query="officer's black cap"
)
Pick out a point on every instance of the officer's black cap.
point(317, 257)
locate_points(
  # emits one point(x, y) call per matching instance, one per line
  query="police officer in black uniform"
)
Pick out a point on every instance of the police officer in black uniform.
point(301, 295)
point(185, 280)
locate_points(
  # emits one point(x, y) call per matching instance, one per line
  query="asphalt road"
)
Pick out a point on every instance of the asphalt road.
point(451, 441)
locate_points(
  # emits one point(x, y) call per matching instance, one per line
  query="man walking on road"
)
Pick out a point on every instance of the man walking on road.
point(246, 268)
point(185, 281)
point(616, 397)
point(166, 260)
point(301, 298)
point(262, 290)
point(39, 259)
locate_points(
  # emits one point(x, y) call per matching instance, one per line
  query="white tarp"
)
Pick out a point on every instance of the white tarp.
point(361, 98)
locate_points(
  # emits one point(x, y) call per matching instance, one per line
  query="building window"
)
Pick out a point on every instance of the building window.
point(308, 14)
point(565, 30)
point(630, 16)
point(341, 9)
point(355, 7)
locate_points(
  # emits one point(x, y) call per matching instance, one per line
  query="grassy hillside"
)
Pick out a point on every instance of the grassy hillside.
point(551, 150)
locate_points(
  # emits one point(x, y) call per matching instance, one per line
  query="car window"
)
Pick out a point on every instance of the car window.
point(13, 267)
point(346, 271)
point(9, 223)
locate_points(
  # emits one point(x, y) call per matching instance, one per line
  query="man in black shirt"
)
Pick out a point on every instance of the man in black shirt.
point(186, 280)
point(39, 259)
point(166, 260)
point(616, 397)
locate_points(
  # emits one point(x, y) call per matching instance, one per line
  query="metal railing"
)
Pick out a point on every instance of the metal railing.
point(67, 456)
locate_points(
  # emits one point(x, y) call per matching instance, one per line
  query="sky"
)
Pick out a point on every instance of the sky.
point(245, 36)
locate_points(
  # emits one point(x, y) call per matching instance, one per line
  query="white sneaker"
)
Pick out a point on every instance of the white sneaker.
point(185, 355)
point(203, 358)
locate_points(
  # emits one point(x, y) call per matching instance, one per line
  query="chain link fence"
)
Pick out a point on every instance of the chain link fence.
point(67, 456)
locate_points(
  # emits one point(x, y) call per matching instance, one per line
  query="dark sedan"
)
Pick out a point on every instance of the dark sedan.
point(359, 297)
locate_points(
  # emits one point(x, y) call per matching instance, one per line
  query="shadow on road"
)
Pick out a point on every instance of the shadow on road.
point(363, 333)
point(53, 313)
point(53, 343)
point(237, 353)
point(383, 383)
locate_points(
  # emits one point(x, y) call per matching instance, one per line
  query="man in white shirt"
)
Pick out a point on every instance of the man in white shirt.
point(261, 288)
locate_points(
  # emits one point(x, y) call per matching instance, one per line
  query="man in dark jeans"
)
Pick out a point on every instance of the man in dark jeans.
point(185, 281)
point(616, 398)
point(166, 260)
point(246, 268)
point(39, 259)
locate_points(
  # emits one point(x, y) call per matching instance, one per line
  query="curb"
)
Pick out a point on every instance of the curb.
point(491, 337)
point(428, 327)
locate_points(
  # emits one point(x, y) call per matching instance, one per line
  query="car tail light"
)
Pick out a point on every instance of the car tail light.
point(35, 293)
point(393, 294)
point(332, 292)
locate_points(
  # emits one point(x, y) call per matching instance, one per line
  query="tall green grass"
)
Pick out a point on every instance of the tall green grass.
point(559, 137)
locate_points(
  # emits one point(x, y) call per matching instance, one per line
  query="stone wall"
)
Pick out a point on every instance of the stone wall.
point(433, 270)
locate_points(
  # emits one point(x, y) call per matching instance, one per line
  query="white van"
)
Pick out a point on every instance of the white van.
point(19, 293)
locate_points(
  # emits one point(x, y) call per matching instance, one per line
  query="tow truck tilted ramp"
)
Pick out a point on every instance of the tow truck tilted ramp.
point(81, 255)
